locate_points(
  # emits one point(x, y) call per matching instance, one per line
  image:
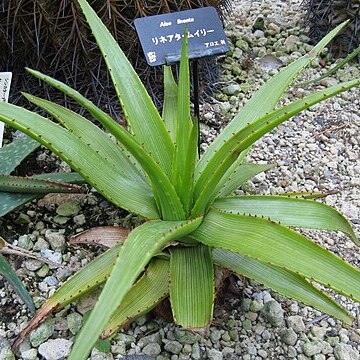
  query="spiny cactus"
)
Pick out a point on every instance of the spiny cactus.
point(324, 15)
point(53, 37)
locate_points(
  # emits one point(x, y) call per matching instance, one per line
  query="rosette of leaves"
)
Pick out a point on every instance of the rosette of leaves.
point(192, 220)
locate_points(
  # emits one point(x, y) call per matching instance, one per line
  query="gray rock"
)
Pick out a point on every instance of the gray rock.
point(42, 333)
point(256, 305)
point(57, 349)
point(291, 43)
point(80, 219)
point(173, 347)
point(214, 354)
point(61, 220)
point(4, 343)
point(125, 338)
point(196, 353)
point(242, 44)
point(215, 335)
point(40, 245)
point(98, 355)
point(346, 352)
point(137, 357)
point(7, 354)
point(186, 337)
point(153, 338)
point(289, 337)
point(232, 89)
point(296, 323)
point(33, 265)
point(270, 62)
point(68, 209)
point(273, 313)
point(74, 321)
point(54, 256)
point(259, 23)
point(152, 349)
point(87, 302)
point(25, 242)
point(312, 348)
point(55, 239)
point(29, 355)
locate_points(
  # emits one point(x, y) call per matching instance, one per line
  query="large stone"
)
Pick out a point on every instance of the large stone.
point(152, 349)
point(273, 313)
point(55, 239)
point(312, 348)
point(153, 338)
point(98, 355)
point(214, 354)
point(346, 352)
point(7, 354)
point(30, 354)
point(57, 349)
point(289, 337)
point(68, 209)
point(42, 333)
point(74, 321)
point(186, 337)
point(173, 347)
point(296, 323)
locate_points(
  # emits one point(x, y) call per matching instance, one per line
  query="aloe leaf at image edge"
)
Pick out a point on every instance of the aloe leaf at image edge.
point(289, 212)
point(13, 153)
point(10, 275)
point(147, 240)
point(12, 201)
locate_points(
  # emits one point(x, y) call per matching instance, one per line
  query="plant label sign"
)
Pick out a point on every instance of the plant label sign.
point(160, 35)
point(5, 81)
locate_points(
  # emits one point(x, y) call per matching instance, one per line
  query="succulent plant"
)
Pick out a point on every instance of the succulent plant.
point(192, 220)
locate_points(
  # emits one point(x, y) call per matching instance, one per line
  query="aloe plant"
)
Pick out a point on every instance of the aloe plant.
point(192, 220)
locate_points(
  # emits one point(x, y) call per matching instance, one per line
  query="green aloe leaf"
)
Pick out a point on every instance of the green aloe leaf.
point(192, 286)
point(277, 245)
point(93, 136)
point(180, 177)
point(265, 99)
point(9, 274)
point(213, 174)
point(19, 184)
point(119, 190)
point(243, 173)
point(283, 281)
point(12, 201)
point(168, 202)
point(144, 295)
point(12, 154)
point(288, 212)
point(334, 68)
point(88, 278)
point(142, 244)
point(141, 114)
point(169, 112)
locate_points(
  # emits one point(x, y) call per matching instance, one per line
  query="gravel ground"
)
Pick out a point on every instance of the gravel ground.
point(317, 151)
